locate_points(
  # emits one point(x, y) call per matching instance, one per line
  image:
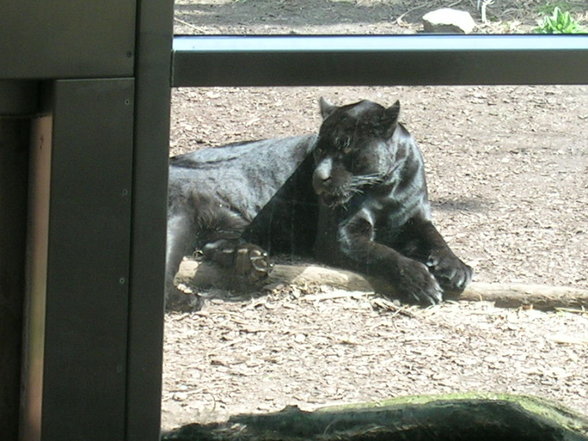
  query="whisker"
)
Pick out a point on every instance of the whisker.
point(366, 180)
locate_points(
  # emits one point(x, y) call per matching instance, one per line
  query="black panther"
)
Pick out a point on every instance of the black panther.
point(353, 196)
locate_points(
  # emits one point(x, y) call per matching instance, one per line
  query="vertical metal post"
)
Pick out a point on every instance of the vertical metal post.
point(96, 225)
point(150, 168)
point(78, 278)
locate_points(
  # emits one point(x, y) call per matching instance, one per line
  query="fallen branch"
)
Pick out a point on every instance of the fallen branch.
point(202, 275)
point(451, 417)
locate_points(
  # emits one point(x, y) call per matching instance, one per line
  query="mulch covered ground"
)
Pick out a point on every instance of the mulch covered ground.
point(508, 174)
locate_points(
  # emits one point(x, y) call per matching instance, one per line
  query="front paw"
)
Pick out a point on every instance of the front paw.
point(452, 274)
point(246, 260)
point(417, 285)
point(252, 262)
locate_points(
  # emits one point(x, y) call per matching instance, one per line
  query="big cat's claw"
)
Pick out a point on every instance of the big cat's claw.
point(252, 262)
point(417, 285)
point(246, 259)
point(452, 274)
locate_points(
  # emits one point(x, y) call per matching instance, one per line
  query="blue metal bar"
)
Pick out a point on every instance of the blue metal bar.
point(286, 60)
point(383, 43)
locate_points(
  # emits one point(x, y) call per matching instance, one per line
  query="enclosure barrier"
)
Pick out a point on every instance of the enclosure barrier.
point(379, 60)
point(92, 82)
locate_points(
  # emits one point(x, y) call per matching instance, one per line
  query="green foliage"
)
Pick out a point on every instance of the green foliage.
point(547, 8)
point(559, 22)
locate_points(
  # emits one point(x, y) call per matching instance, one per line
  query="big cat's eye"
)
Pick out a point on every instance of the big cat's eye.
point(344, 144)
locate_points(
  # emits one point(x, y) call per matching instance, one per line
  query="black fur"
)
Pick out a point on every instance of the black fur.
point(354, 196)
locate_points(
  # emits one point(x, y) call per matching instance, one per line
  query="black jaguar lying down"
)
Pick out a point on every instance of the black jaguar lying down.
point(353, 196)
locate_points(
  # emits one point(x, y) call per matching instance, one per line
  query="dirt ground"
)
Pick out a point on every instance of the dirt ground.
point(507, 169)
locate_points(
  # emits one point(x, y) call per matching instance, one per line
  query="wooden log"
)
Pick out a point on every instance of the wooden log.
point(203, 275)
point(451, 417)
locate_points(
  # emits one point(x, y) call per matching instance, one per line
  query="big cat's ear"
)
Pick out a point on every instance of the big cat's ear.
point(392, 112)
point(326, 108)
point(390, 119)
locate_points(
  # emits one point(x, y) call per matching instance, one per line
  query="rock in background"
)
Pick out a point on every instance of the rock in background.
point(447, 20)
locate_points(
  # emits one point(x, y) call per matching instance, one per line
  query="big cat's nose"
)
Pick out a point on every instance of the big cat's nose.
point(322, 175)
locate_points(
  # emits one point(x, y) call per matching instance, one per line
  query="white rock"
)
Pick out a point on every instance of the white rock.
point(447, 20)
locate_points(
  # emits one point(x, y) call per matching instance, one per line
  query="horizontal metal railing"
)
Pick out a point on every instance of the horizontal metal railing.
point(287, 60)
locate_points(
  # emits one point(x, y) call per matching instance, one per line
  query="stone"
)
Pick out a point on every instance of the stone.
point(447, 20)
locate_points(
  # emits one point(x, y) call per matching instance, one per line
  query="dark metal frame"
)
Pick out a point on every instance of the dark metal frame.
point(94, 77)
point(94, 317)
point(379, 60)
